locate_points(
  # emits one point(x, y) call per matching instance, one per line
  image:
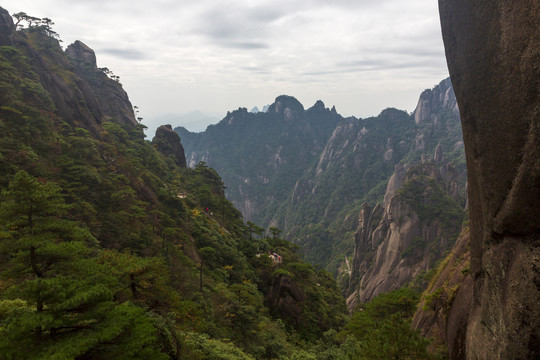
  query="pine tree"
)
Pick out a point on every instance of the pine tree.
point(58, 302)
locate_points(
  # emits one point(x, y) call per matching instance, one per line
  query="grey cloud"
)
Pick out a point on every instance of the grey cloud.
point(257, 69)
point(381, 63)
point(130, 54)
point(239, 24)
point(244, 45)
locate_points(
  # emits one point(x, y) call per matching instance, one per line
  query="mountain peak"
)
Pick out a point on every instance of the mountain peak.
point(286, 105)
point(432, 100)
point(318, 106)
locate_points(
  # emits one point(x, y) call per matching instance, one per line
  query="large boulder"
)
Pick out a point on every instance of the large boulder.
point(168, 143)
point(493, 54)
point(81, 53)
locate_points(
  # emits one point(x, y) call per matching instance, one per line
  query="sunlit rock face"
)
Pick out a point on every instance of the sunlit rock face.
point(493, 54)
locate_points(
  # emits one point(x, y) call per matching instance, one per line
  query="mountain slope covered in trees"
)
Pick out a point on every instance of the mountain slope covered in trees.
point(111, 248)
point(105, 245)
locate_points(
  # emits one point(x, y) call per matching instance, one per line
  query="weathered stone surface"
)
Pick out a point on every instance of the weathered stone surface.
point(396, 243)
point(431, 100)
point(6, 27)
point(493, 54)
point(113, 100)
point(168, 143)
point(81, 53)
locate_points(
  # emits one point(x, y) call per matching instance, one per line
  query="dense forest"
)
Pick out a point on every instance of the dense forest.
point(111, 249)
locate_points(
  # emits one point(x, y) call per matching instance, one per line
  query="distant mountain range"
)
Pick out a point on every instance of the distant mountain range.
point(308, 171)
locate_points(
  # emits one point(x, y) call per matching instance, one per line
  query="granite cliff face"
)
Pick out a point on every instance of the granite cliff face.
point(441, 314)
point(431, 101)
point(397, 241)
point(7, 28)
point(493, 54)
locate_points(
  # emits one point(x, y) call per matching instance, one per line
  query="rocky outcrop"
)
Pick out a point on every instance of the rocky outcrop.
point(73, 97)
point(82, 94)
point(7, 28)
point(168, 143)
point(287, 106)
point(113, 101)
point(397, 242)
point(81, 54)
point(431, 101)
point(496, 78)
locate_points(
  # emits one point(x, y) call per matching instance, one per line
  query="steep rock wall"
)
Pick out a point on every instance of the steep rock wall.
point(493, 54)
point(113, 99)
point(394, 243)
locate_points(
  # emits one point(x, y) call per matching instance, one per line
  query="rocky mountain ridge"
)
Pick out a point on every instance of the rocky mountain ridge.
point(278, 143)
point(311, 177)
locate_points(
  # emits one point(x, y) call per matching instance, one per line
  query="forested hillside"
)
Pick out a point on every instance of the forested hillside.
point(111, 248)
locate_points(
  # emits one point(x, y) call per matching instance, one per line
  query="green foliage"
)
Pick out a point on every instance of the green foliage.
point(203, 347)
point(64, 308)
point(383, 327)
point(431, 203)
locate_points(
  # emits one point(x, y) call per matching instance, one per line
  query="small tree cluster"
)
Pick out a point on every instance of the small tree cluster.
point(110, 74)
point(35, 23)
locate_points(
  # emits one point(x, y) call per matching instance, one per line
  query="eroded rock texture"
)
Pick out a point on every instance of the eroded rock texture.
point(401, 239)
point(493, 54)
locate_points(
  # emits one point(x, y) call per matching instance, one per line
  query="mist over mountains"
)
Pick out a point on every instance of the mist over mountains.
point(195, 121)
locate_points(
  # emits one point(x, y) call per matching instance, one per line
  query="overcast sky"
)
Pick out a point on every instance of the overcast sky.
point(177, 56)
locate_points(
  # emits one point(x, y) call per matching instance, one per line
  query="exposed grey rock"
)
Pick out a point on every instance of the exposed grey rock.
point(440, 313)
point(430, 101)
point(168, 143)
point(113, 99)
point(496, 78)
point(7, 28)
point(395, 182)
point(399, 241)
point(82, 54)
point(438, 155)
